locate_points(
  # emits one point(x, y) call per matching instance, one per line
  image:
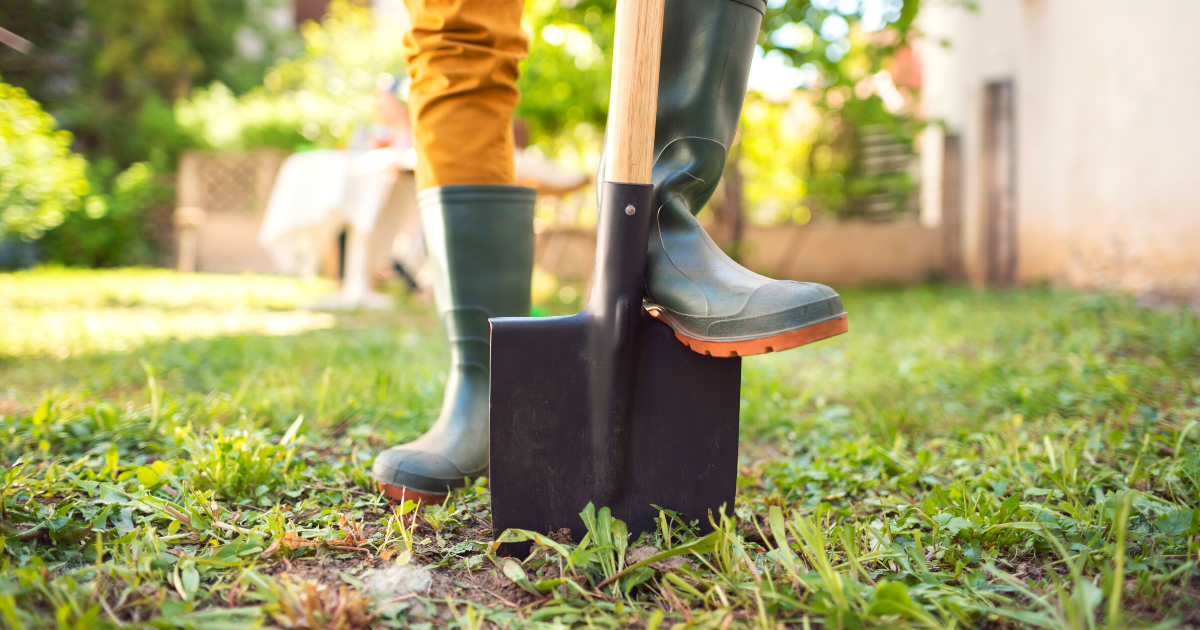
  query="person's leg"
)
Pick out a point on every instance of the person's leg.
point(462, 59)
point(715, 305)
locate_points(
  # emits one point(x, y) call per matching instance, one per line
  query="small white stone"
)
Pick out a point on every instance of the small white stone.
point(397, 580)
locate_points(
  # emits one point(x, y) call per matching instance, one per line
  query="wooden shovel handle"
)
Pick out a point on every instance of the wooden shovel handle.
point(633, 100)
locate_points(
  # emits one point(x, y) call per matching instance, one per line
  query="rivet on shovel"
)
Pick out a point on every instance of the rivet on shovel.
point(629, 210)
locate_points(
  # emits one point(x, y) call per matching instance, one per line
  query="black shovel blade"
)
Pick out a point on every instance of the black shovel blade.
point(676, 448)
point(607, 406)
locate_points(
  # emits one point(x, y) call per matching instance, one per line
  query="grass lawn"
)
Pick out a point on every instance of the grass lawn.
point(190, 451)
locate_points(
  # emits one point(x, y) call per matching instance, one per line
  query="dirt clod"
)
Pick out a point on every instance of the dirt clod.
point(664, 566)
point(562, 536)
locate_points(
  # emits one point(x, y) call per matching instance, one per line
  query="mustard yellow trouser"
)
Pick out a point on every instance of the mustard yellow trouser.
point(462, 60)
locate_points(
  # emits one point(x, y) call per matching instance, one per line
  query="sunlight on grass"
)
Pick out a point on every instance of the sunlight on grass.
point(66, 313)
point(161, 288)
point(72, 332)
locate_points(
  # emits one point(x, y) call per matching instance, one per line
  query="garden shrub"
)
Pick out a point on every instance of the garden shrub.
point(113, 230)
point(41, 179)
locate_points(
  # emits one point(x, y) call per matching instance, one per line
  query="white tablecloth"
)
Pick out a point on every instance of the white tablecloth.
point(315, 194)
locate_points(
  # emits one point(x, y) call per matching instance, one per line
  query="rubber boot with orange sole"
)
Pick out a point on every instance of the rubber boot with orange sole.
point(714, 305)
point(479, 239)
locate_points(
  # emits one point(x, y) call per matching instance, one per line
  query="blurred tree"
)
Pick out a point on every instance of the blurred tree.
point(564, 82)
point(113, 231)
point(41, 180)
point(832, 94)
point(847, 136)
point(319, 98)
point(109, 70)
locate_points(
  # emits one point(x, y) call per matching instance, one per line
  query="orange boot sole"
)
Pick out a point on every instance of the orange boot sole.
point(407, 494)
point(749, 347)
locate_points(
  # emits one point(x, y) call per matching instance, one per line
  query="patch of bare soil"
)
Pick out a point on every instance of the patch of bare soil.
point(325, 567)
point(483, 583)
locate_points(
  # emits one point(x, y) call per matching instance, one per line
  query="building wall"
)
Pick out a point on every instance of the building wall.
point(1107, 138)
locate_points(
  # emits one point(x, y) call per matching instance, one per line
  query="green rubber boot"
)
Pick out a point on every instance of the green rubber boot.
point(715, 305)
point(479, 239)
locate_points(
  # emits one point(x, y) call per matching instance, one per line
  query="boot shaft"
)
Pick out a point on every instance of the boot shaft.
point(479, 240)
point(707, 49)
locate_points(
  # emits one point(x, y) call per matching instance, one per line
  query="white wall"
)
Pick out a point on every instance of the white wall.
point(1108, 133)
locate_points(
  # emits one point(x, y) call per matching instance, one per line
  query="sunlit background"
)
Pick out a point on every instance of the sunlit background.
point(990, 141)
point(827, 133)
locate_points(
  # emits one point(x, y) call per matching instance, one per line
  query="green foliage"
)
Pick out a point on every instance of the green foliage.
point(113, 230)
point(317, 99)
point(775, 153)
point(805, 151)
point(240, 465)
point(963, 459)
point(108, 70)
point(42, 184)
point(564, 82)
point(41, 180)
point(825, 32)
point(808, 152)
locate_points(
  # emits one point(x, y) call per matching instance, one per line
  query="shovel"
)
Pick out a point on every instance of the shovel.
point(607, 406)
